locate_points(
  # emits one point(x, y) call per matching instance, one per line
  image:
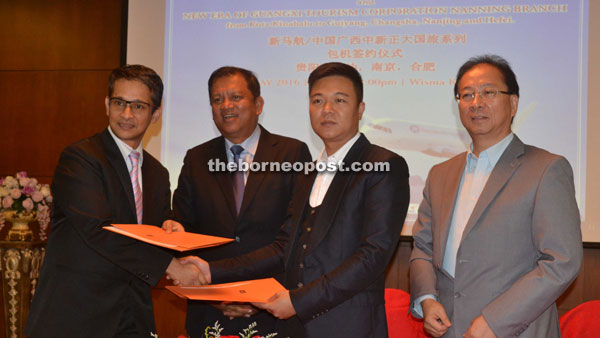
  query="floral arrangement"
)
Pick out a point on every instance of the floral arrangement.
point(250, 332)
point(25, 196)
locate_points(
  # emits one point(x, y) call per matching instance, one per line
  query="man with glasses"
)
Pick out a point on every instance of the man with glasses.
point(95, 283)
point(498, 236)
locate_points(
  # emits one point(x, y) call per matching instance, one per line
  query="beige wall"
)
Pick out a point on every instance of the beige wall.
point(145, 45)
point(592, 216)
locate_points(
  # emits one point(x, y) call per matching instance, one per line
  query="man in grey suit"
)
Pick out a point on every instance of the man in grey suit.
point(498, 236)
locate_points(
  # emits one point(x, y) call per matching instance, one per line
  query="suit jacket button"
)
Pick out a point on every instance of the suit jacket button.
point(304, 246)
point(300, 285)
point(301, 266)
point(309, 229)
point(237, 239)
point(457, 295)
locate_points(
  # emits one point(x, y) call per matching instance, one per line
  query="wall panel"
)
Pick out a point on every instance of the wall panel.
point(60, 34)
point(44, 111)
point(55, 57)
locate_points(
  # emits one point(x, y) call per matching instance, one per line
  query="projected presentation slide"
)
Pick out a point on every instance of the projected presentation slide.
point(408, 53)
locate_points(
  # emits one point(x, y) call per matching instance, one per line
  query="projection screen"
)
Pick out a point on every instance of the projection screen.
point(407, 52)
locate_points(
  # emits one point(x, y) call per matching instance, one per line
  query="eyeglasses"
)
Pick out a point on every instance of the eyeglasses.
point(119, 105)
point(486, 94)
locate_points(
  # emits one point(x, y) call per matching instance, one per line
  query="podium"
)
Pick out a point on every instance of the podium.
point(20, 264)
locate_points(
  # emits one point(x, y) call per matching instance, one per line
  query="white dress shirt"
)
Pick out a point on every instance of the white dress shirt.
point(125, 151)
point(324, 178)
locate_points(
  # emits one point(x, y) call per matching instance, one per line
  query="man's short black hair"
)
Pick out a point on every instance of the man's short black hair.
point(251, 80)
point(510, 79)
point(141, 73)
point(337, 69)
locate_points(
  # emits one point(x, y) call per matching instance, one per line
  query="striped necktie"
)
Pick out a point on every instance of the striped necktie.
point(134, 156)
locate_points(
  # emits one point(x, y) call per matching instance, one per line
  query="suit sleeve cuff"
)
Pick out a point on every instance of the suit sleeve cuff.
point(416, 307)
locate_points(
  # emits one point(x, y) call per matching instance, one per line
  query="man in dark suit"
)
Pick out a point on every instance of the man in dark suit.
point(96, 283)
point(498, 236)
point(343, 226)
point(207, 201)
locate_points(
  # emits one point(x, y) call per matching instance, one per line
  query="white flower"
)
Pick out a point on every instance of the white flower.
point(44, 220)
point(49, 198)
point(28, 204)
point(10, 182)
point(37, 196)
point(45, 190)
point(42, 209)
point(15, 193)
point(4, 192)
point(24, 181)
point(7, 202)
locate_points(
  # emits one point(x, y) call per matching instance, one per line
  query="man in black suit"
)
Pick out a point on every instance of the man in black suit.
point(343, 227)
point(207, 201)
point(96, 283)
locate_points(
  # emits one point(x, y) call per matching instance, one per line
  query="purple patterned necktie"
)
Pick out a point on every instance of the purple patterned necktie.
point(238, 177)
point(137, 191)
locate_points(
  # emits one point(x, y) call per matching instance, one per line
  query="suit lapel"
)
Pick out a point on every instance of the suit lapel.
point(148, 188)
point(264, 153)
point(504, 169)
point(224, 178)
point(450, 193)
point(335, 193)
point(115, 158)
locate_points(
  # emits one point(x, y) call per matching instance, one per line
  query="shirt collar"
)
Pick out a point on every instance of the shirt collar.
point(494, 152)
point(126, 149)
point(250, 144)
point(340, 154)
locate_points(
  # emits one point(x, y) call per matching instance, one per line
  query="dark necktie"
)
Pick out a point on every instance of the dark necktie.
point(238, 177)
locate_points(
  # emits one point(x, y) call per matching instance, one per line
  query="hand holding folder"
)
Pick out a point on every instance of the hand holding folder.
point(258, 290)
point(279, 305)
point(266, 294)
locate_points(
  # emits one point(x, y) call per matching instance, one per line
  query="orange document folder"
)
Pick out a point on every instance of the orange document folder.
point(180, 241)
point(257, 290)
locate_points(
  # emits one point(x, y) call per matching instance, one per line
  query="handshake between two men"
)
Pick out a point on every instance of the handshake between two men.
point(194, 271)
